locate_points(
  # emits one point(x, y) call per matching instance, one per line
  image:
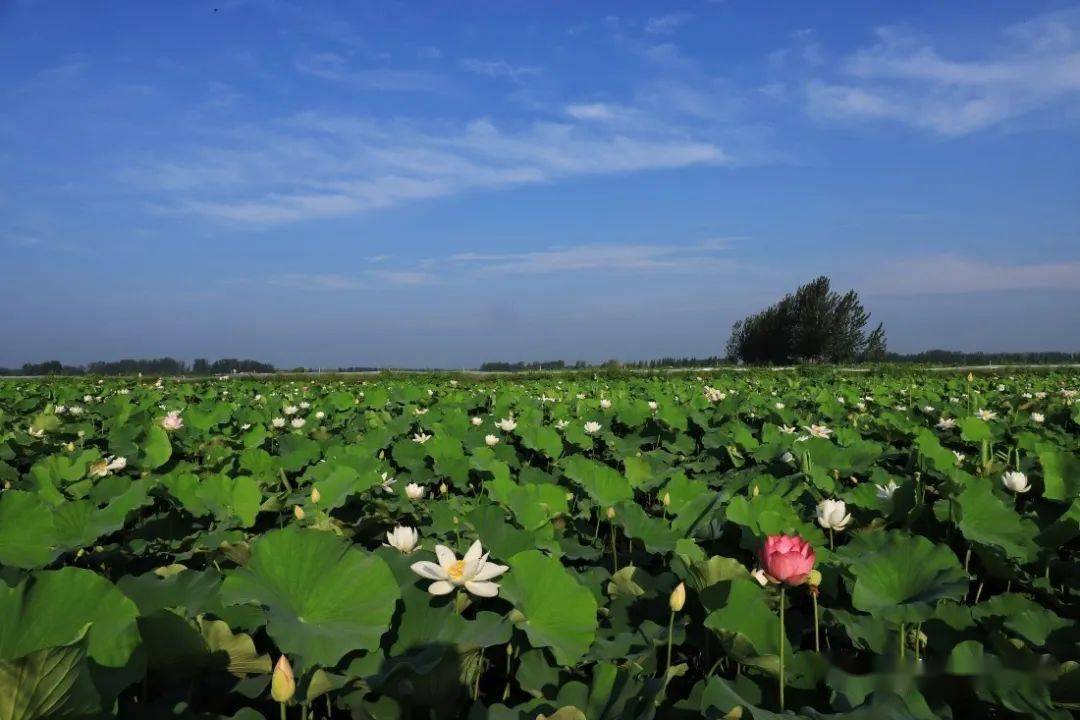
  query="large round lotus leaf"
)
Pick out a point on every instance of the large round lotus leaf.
point(49, 683)
point(52, 607)
point(902, 577)
point(559, 612)
point(27, 530)
point(323, 597)
point(605, 485)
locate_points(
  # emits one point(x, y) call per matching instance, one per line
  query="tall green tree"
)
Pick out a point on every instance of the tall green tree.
point(812, 324)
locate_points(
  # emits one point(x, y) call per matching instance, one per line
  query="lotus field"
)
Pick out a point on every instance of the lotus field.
point(889, 545)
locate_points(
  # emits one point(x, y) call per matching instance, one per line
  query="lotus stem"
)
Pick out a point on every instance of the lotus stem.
point(670, 630)
point(614, 551)
point(903, 641)
point(281, 707)
point(817, 622)
point(781, 647)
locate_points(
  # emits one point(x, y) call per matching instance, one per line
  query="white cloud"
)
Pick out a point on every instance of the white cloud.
point(336, 68)
point(905, 79)
point(666, 24)
point(950, 274)
point(318, 166)
point(500, 69)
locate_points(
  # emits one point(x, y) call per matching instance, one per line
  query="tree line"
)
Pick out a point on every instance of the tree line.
point(146, 366)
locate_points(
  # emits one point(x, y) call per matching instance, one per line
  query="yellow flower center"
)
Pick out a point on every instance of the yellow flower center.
point(456, 571)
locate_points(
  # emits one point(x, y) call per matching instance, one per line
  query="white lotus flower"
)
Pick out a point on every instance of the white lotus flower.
point(116, 463)
point(507, 424)
point(819, 431)
point(653, 405)
point(403, 539)
point(290, 409)
point(946, 423)
point(414, 491)
point(420, 411)
point(491, 440)
point(1037, 417)
point(60, 410)
point(714, 395)
point(305, 405)
point(885, 492)
point(171, 421)
point(592, 427)
point(278, 422)
point(75, 410)
point(477, 421)
point(833, 514)
point(605, 404)
point(298, 422)
point(473, 572)
point(320, 415)
point(561, 424)
point(787, 458)
point(787, 429)
point(984, 414)
point(779, 406)
point(388, 483)
point(1016, 481)
point(959, 456)
point(420, 437)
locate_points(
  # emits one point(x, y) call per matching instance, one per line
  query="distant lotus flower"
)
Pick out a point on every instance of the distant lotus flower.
point(605, 404)
point(787, 429)
point(819, 431)
point(298, 422)
point(1037, 417)
point(561, 424)
point(986, 414)
point(290, 410)
point(507, 424)
point(959, 456)
point(833, 515)
point(592, 427)
point(403, 539)
point(116, 463)
point(653, 405)
point(928, 409)
point(387, 483)
point(491, 440)
point(473, 572)
point(60, 410)
point(305, 405)
point(714, 395)
point(320, 415)
point(414, 491)
point(171, 421)
point(779, 406)
point(98, 469)
point(787, 559)
point(420, 411)
point(477, 421)
point(885, 492)
point(1016, 481)
point(278, 422)
point(787, 457)
point(946, 423)
point(420, 437)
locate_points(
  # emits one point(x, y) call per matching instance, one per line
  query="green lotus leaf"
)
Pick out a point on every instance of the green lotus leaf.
point(985, 519)
point(52, 682)
point(605, 486)
point(323, 597)
point(28, 536)
point(747, 626)
point(558, 611)
point(902, 578)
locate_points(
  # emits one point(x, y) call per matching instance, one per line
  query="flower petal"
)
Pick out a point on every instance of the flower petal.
point(474, 553)
point(446, 556)
point(483, 589)
point(440, 588)
point(429, 570)
point(489, 571)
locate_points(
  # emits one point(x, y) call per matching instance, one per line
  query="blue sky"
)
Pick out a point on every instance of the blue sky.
point(438, 184)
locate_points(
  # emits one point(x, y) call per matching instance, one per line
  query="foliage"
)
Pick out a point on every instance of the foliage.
point(169, 584)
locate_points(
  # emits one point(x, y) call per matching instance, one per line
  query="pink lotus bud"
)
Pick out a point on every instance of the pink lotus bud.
point(787, 559)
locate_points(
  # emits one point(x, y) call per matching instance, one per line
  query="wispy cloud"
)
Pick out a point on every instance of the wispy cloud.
point(337, 68)
point(666, 24)
point(317, 166)
point(500, 69)
point(679, 259)
point(904, 78)
point(950, 274)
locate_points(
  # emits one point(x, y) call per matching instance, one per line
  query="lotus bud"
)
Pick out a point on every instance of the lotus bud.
point(970, 377)
point(282, 683)
point(316, 496)
point(678, 597)
point(443, 489)
point(611, 513)
point(666, 499)
point(298, 512)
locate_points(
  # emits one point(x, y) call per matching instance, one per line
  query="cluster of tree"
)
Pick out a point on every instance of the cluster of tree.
point(958, 357)
point(813, 324)
point(673, 362)
point(151, 366)
point(528, 366)
point(202, 366)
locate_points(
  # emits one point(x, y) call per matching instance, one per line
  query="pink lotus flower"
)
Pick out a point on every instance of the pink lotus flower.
point(787, 559)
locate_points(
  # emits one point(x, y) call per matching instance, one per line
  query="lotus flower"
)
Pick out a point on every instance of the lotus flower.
point(507, 424)
point(885, 492)
point(946, 423)
point(605, 403)
point(414, 491)
point(476, 421)
point(403, 539)
point(787, 559)
point(473, 572)
point(290, 409)
point(833, 514)
point(1016, 481)
point(986, 414)
point(278, 422)
point(819, 431)
point(1037, 417)
point(421, 438)
point(592, 427)
point(171, 421)
point(298, 422)
point(491, 440)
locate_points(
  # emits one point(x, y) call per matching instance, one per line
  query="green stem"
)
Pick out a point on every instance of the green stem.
point(614, 552)
point(670, 630)
point(282, 707)
point(817, 622)
point(902, 642)
point(781, 647)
